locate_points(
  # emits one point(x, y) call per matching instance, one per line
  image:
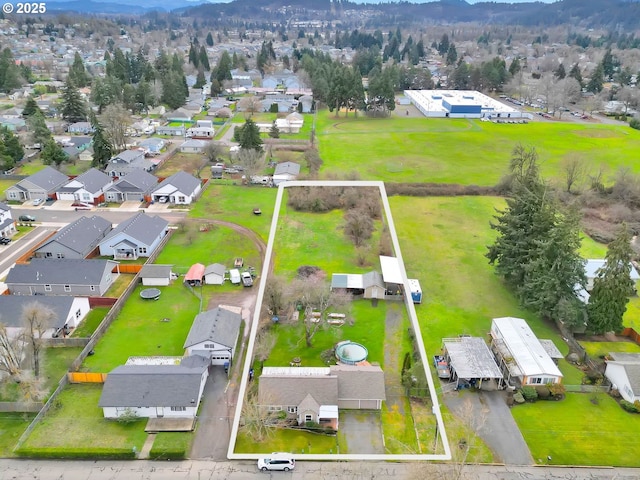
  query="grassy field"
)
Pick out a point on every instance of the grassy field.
point(12, 425)
point(186, 162)
point(293, 441)
point(367, 329)
point(583, 429)
point(599, 349)
point(4, 184)
point(235, 204)
point(463, 151)
point(91, 322)
point(76, 423)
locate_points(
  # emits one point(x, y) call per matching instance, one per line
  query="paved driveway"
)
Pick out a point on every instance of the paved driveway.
point(494, 423)
point(362, 431)
point(214, 423)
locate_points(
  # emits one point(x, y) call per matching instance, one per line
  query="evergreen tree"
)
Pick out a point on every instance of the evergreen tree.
point(173, 90)
point(443, 46)
point(250, 136)
point(609, 64)
point(12, 144)
point(40, 133)
point(515, 66)
point(77, 72)
point(73, 106)
point(102, 150)
point(209, 39)
point(200, 79)
point(203, 59)
point(144, 96)
point(274, 132)
point(612, 287)
point(9, 72)
point(575, 73)
point(452, 55)
point(596, 81)
point(194, 58)
point(30, 107)
point(222, 71)
point(560, 72)
point(52, 154)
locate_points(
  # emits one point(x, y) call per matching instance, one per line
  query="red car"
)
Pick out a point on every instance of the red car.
point(81, 206)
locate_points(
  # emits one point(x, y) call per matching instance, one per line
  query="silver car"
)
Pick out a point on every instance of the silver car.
point(277, 461)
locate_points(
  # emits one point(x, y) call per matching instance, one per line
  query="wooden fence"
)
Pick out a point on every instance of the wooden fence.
point(21, 407)
point(102, 302)
point(24, 258)
point(65, 342)
point(129, 268)
point(632, 334)
point(86, 377)
point(588, 388)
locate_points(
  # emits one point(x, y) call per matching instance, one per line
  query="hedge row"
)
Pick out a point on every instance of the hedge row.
point(437, 189)
point(89, 453)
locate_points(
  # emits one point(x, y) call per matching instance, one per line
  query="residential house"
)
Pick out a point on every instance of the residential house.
point(214, 274)
point(66, 276)
point(83, 128)
point(68, 311)
point(282, 82)
point(369, 285)
point(315, 394)
point(522, 357)
point(307, 103)
point(623, 371)
point(214, 335)
point(154, 391)
point(81, 143)
point(7, 223)
point(171, 131)
point(193, 146)
point(592, 269)
point(42, 185)
point(286, 171)
point(133, 187)
point(203, 130)
point(77, 240)
point(157, 275)
point(88, 187)
point(86, 155)
point(12, 124)
point(152, 145)
point(127, 162)
point(181, 188)
point(71, 153)
point(179, 115)
point(139, 236)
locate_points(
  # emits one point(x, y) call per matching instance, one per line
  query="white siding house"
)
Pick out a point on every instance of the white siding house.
point(214, 335)
point(624, 374)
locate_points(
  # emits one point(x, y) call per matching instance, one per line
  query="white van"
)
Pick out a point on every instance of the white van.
point(234, 276)
point(277, 461)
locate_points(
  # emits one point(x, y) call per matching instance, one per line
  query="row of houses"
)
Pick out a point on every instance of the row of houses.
point(94, 186)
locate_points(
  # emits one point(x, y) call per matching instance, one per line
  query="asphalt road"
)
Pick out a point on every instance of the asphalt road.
point(205, 470)
point(10, 253)
point(113, 215)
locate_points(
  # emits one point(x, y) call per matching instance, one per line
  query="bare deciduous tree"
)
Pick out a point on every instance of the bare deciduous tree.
point(11, 350)
point(252, 161)
point(358, 226)
point(575, 171)
point(250, 105)
point(115, 119)
point(274, 295)
point(265, 342)
point(214, 151)
point(36, 319)
point(257, 421)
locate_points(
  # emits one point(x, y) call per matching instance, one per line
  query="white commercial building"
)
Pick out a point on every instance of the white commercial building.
point(461, 104)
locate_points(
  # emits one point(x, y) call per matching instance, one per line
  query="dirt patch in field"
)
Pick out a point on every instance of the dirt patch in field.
point(597, 133)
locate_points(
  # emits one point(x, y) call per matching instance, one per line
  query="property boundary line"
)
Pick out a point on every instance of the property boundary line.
point(231, 455)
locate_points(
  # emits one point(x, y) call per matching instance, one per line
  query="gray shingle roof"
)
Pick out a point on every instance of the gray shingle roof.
point(291, 168)
point(81, 236)
point(66, 271)
point(372, 278)
point(93, 180)
point(11, 308)
point(48, 179)
point(141, 227)
point(216, 268)
point(364, 383)
point(292, 390)
point(182, 181)
point(4, 207)
point(127, 156)
point(136, 181)
point(194, 143)
point(218, 325)
point(152, 386)
point(156, 271)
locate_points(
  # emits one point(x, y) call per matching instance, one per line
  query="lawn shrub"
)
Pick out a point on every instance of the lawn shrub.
point(530, 394)
point(80, 453)
point(629, 407)
point(543, 392)
point(437, 190)
point(635, 123)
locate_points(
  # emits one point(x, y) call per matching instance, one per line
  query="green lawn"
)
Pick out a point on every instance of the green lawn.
point(4, 184)
point(76, 424)
point(171, 445)
point(12, 425)
point(583, 429)
point(139, 330)
point(599, 349)
point(367, 329)
point(293, 441)
point(235, 204)
point(91, 322)
point(463, 151)
point(592, 249)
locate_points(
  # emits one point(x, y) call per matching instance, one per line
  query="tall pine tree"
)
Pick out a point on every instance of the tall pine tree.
point(612, 287)
point(73, 106)
point(102, 149)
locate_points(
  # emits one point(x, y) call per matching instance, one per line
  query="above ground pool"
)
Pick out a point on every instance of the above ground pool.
point(351, 353)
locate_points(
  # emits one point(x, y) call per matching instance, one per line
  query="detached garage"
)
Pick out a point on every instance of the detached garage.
point(214, 335)
point(157, 275)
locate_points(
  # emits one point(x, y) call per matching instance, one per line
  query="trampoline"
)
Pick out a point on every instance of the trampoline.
point(351, 353)
point(150, 293)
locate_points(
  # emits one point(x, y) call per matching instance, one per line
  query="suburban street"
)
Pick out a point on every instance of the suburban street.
point(114, 215)
point(201, 470)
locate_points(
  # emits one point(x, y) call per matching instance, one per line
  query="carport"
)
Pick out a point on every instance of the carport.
point(471, 361)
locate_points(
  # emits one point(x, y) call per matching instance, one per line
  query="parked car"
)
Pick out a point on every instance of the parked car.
point(37, 201)
point(5, 241)
point(442, 366)
point(277, 461)
point(81, 206)
point(247, 280)
point(27, 218)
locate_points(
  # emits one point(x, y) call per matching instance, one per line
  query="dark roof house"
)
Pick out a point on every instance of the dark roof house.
point(138, 236)
point(76, 240)
point(135, 186)
point(41, 184)
point(214, 334)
